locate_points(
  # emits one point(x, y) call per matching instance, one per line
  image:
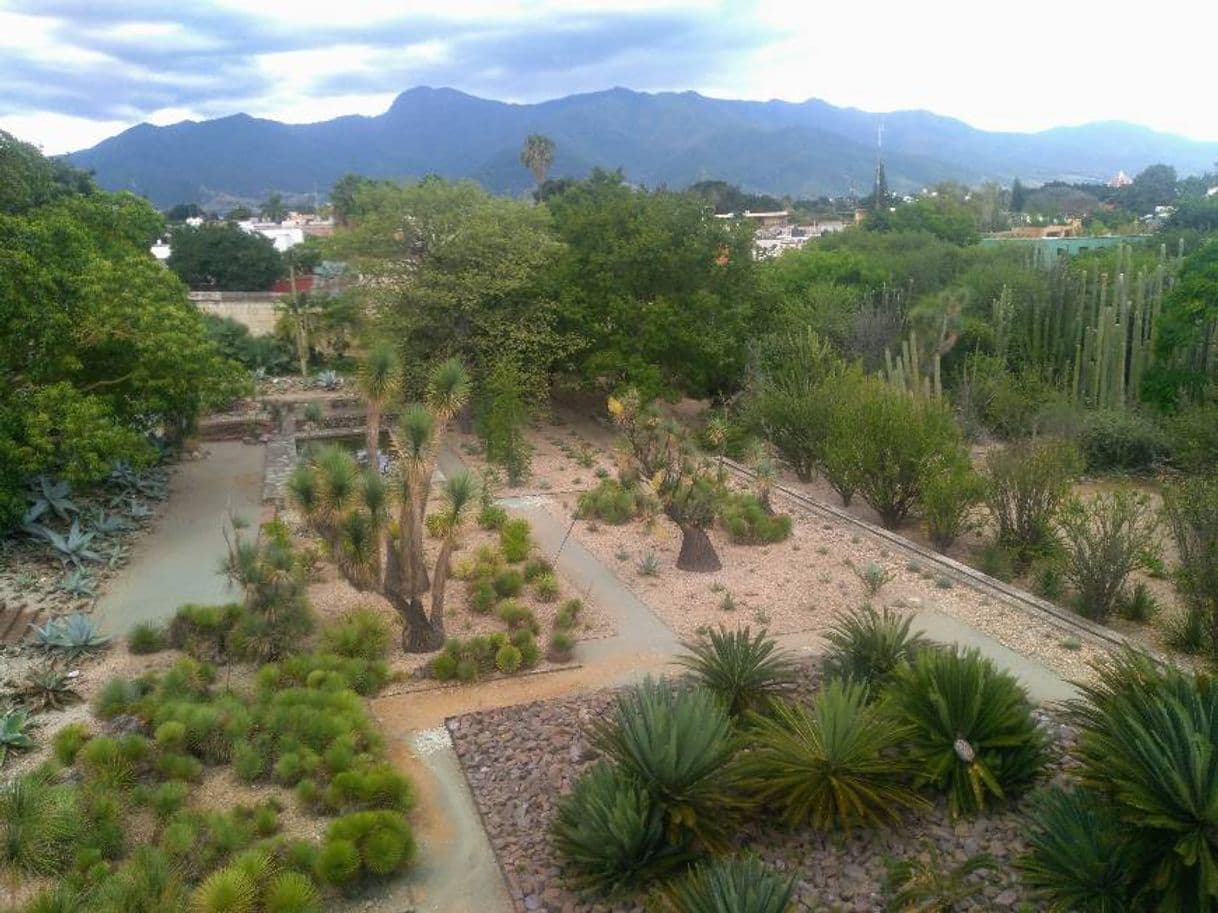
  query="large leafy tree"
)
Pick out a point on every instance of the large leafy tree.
point(224, 258)
point(1186, 341)
point(662, 294)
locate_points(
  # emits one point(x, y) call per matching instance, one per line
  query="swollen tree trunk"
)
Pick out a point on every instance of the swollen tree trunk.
point(697, 552)
point(420, 634)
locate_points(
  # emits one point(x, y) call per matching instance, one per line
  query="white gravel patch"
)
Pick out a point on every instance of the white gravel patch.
point(431, 741)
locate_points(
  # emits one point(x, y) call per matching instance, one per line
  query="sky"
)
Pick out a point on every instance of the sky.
point(73, 72)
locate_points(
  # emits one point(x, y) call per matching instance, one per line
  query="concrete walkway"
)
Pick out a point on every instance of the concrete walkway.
point(178, 561)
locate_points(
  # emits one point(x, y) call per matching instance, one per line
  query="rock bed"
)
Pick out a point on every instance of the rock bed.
point(520, 761)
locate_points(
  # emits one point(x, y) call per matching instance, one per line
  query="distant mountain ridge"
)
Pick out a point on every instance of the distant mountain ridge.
point(800, 149)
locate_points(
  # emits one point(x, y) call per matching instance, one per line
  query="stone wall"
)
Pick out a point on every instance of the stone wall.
point(254, 309)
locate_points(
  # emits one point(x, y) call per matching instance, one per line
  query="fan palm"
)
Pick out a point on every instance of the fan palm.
point(537, 155)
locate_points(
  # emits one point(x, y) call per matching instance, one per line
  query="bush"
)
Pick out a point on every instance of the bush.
point(950, 492)
point(516, 616)
point(547, 587)
point(832, 765)
point(568, 612)
point(732, 884)
point(610, 502)
point(482, 596)
point(535, 568)
point(444, 667)
point(530, 653)
point(748, 523)
point(67, 742)
point(562, 645)
point(972, 730)
point(507, 659)
point(867, 646)
point(508, 583)
point(515, 540)
point(1025, 486)
point(338, 863)
point(147, 637)
point(382, 839)
point(171, 735)
point(118, 695)
point(40, 825)
point(1121, 440)
point(996, 560)
point(677, 742)
point(227, 890)
point(203, 630)
point(1191, 510)
point(741, 669)
point(173, 766)
point(290, 892)
point(249, 762)
point(361, 633)
point(492, 516)
point(1193, 434)
point(1103, 542)
point(611, 834)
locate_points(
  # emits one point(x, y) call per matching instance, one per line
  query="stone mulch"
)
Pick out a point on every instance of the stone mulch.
point(519, 762)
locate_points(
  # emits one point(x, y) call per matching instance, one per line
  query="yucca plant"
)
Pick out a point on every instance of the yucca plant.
point(1149, 740)
point(867, 646)
point(14, 726)
point(931, 884)
point(677, 742)
point(742, 669)
point(610, 834)
point(971, 727)
point(830, 764)
point(379, 381)
point(1078, 858)
point(733, 884)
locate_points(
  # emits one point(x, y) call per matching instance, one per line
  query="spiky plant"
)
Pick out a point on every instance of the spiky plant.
point(74, 548)
point(610, 834)
point(830, 764)
point(734, 884)
point(742, 669)
point(70, 635)
point(303, 489)
point(50, 495)
point(47, 688)
point(14, 726)
point(933, 885)
point(379, 380)
point(868, 646)
point(291, 892)
point(1078, 858)
point(678, 743)
point(147, 881)
point(972, 732)
point(39, 825)
point(226, 890)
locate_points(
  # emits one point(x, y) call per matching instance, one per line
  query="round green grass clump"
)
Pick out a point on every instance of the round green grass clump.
point(562, 645)
point(291, 892)
point(444, 667)
point(68, 741)
point(482, 596)
point(360, 634)
point(508, 583)
point(147, 637)
point(515, 540)
point(516, 616)
point(227, 890)
point(535, 568)
point(507, 660)
point(371, 842)
point(547, 588)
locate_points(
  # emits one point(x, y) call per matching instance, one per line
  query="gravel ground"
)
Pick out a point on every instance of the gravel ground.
point(521, 760)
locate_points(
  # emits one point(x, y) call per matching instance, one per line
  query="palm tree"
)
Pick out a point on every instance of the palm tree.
point(538, 155)
point(380, 378)
point(273, 208)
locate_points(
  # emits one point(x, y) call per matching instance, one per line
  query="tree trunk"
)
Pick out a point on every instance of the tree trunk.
point(440, 584)
point(373, 442)
point(697, 552)
point(420, 634)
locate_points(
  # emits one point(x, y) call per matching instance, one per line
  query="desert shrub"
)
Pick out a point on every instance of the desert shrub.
point(290, 892)
point(546, 587)
point(329, 672)
point(383, 842)
point(171, 735)
point(932, 881)
point(1103, 542)
point(67, 742)
point(996, 560)
point(873, 575)
point(1025, 486)
point(147, 637)
point(444, 667)
point(113, 761)
point(1190, 508)
point(226, 890)
point(118, 695)
point(1193, 433)
point(537, 567)
point(610, 833)
point(972, 730)
point(1121, 440)
point(741, 669)
point(950, 492)
point(748, 523)
point(148, 880)
point(677, 742)
point(524, 641)
point(482, 596)
point(515, 540)
point(507, 659)
point(732, 884)
point(167, 799)
point(1138, 604)
point(1077, 860)
point(516, 615)
point(203, 631)
point(492, 516)
point(175, 766)
point(831, 764)
point(568, 612)
point(867, 646)
point(610, 502)
point(1047, 579)
point(40, 825)
point(466, 660)
point(249, 761)
point(361, 633)
point(508, 583)
point(338, 862)
point(562, 645)
point(372, 786)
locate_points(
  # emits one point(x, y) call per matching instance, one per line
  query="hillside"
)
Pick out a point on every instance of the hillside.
point(805, 149)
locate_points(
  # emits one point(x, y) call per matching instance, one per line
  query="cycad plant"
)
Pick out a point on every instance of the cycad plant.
point(742, 669)
point(610, 834)
point(867, 646)
point(734, 884)
point(830, 764)
point(931, 884)
point(972, 732)
point(677, 742)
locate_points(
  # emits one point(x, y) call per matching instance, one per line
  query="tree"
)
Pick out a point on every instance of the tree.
point(1104, 541)
point(273, 208)
point(1186, 333)
point(183, 211)
point(240, 214)
point(504, 415)
point(380, 382)
point(1018, 196)
point(28, 179)
point(1154, 185)
point(299, 310)
point(538, 155)
point(225, 258)
point(943, 216)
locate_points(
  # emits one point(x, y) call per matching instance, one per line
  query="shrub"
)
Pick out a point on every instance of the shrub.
point(67, 742)
point(482, 596)
point(508, 583)
point(874, 577)
point(147, 637)
point(1121, 440)
point(547, 587)
point(171, 735)
point(1193, 433)
point(203, 630)
point(249, 762)
point(290, 892)
point(1047, 579)
point(562, 645)
point(610, 502)
point(732, 884)
point(831, 765)
point(444, 667)
point(166, 799)
point(1191, 510)
point(678, 743)
point(516, 616)
point(492, 516)
point(361, 633)
point(611, 834)
point(40, 825)
point(373, 786)
point(507, 659)
point(149, 880)
point(113, 761)
point(867, 646)
point(649, 566)
point(1103, 542)
point(1025, 487)
point(515, 541)
point(535, 568)
point(567, 614)
point(972, 730)
point(927, 882)
point(1077, 859)
point(996, 560)
point(741, 669)
point(748, 522)
point(118, 695)
point(950, 493)
point(530, 653)
point(382, 840)
point(173, 766)
point(227, 890)
point(329, 672)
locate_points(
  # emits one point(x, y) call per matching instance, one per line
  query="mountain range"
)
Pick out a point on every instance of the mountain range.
point(803, 149)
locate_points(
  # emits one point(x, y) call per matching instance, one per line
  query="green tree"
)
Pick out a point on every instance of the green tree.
point(1186, 333)
point(225, 258)
point(1154, 185)
point(28, 179)
point(273, 208)
point(1018, 196)
point(240, 214)
point(183, 211)
point(503, 417)
point(537, 155)
point(943, 216)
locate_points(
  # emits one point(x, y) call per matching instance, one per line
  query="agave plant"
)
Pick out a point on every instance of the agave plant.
point(13, 736)
point(74, 547)
point(610, 834)
point(867, 646)
point(71, 635)
point(138, 510)
point(928, 883)
point(1078, 858)
point(47, 688)
point(78, 583)
point(105, 524)
point(728, 885)
point(328, 380)
point(743, 670)
point(972, 729)
point(131, 481)
point(46, 494)
point(677, 742)
point(831, 764)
